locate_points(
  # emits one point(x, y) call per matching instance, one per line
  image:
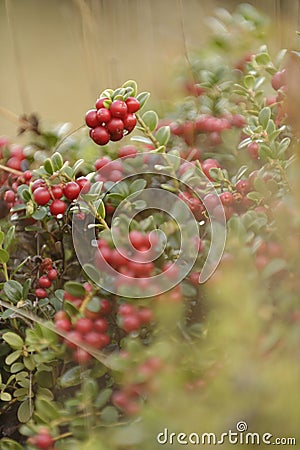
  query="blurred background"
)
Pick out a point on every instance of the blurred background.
point(58, 55)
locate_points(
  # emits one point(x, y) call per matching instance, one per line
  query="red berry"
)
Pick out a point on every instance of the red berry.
point(137, 239)
point(73, 339)
point(103, 115)
point(118, 108)
point(52, 274)
point(91, 118)
point(126, 309)
point(84, 184)
point(238, 121)
point(101, 162)
point(41, 196)
point(37, 183)
point(58, 207)
point(100, 135)
point(43, 440)
point(44, 282)
point(209, 164)
point(243, 187)
point(145, 315)
point(9, 196)
point(27, 175)
point(71, 190)
point(133, 105)
point(253, 149)
point(128, 151)
point(100, 101)
point(40, 293)
point(60, 315)
point(100, 325)
point(63, 325)
point(105, 339)
point(115, 125)
point(84, 325)
point(279, 79)
point(57, 192)
point(129, 122)
point(194, 278)
point(171, 271)
point(227, 198)
point(105, 307)
point(115, 176)
point(81, 356)
point(131, 323)
point(14, 163)
point(93, 339)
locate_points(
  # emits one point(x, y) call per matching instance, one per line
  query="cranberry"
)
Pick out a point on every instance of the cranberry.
point(40, 293)
point(91, 118)
point(129, 122)
point(105, 339)
point(84, 325)
point(253, 150)
point(9, 196)
point(238, 121)
point(138, 239)
point(194, 278)
point(93, 339)
point(60, 315)
point(73, 339)
point(243, 187)
point(279, 79)
point(84, 184)
point(100, 102)
point(115, 175)
point(37, 183)
point(145, 315)
point(227, 198)
point(56, 192)
point(52, 274)
point(63, 325)
point(100, 325)
point(133, 105)
point(126, 309)
point(44, 282)
point(131, 323)
point(14, 163)
point(209, 164)
point(57, 207)
point(71, 190)
point(81, 356)
point(115, 125)
point(43, 440)
point(171, 271)
point(105, 307)
point(41, 196)
point(101, 162)
point(103, 115)
point(100, 135)
point(118, 108)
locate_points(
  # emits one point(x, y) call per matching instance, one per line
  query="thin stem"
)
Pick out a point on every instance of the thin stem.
point(98, 217)
point(4, 265)
point(147, 131)
point(10, 170)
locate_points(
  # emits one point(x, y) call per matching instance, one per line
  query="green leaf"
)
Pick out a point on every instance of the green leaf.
point(47, 410)
point(9, 444)
point(100, 208)
point(94, 305)
point(1, 237)
point(264, 116)
point(57, 161)
point(103, 398)
point(109, 414)
point(163, 135)
point(137, 185)
point(151, 120)
point(9, 237)
point(48, 166)
point(24, 411)
point(72, 377)
point(275, 266)
point(40, 213)
point(91, 272)
point(262, 59)
point(143, 98)
point(5, 397)
point(23, 192)
point(13, 290)
point(17, 367)
point(77, 165)
point(249, 81)
point(133, 85)
point(4, 256)
point(75, 289)
point(12, 357)
point(13, 340)
point(26, 288)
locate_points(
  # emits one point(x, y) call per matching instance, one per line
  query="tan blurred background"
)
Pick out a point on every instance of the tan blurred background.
point(57, 55)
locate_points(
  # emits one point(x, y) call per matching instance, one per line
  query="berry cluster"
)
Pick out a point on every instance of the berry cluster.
point(43, 440)
point(111, 120)
point(57, 195)
point(45, 281)
point(128, 399)
point(87, 331)
point(13, 154)
point(131, 317)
